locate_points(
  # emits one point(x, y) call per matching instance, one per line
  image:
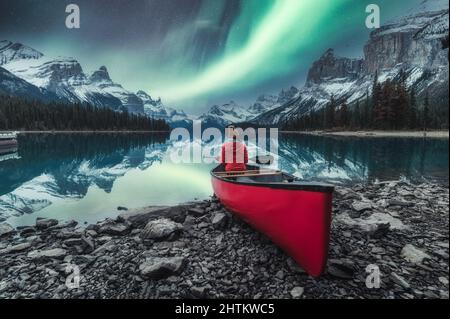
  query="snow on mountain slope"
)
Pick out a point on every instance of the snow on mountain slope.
point(223, 115)
point(12, 85)
point(65, 77)
point(156, 109)
point(10, 51)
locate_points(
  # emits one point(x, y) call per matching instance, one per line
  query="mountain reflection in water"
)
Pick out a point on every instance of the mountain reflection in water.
point(87, 176)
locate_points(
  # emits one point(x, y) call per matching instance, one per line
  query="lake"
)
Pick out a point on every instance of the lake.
point(86, 177)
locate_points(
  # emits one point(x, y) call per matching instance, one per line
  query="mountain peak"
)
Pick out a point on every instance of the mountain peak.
point(10, 51)
point(142, 93)
point(101, 75)
point(331, 66)
point(329, 53)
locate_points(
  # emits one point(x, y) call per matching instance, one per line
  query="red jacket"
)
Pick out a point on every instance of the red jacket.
point(234, 156)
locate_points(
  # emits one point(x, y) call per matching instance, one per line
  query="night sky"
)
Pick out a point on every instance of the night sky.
point(194, 53)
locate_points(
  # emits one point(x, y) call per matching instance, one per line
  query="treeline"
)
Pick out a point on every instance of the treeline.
point(21, 114)
point(391, 106)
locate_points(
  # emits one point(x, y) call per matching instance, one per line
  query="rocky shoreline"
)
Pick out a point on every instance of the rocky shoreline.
point(200, 250)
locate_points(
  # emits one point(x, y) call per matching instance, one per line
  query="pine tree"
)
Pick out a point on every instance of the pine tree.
point(412, 110)
point(426, 112)
point(329, 114)
point(356, 117)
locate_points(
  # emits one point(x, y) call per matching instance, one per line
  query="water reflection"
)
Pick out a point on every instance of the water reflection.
point(87, 176)
point(348, 159)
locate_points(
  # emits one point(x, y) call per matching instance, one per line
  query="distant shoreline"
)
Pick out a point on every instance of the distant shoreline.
point(417, 134)
point(84, 132)
point(430, 134)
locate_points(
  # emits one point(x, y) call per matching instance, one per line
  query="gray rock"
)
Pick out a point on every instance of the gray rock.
point(55, 253)
point(27, 231)
point(43, 223)
point(413, 255)
point(161, 229)
point(73, 242)
point(360, 206)
point(280, 275)
point(199, 292)
point(15, 248)
point(142, 216)
point(219, 220)
point(396, 202)
point(297, 292)
point(399, 280)
point(443, 280)
point(341, 269)
point(115, 229)
point(379, 230)
point(6, 229)
point(196, 211)
point(156, 267)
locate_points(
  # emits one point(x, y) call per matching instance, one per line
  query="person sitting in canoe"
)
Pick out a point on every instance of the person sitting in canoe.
point(234, 152)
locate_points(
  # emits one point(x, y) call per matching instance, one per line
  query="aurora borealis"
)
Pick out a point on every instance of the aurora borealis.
point(194, 53)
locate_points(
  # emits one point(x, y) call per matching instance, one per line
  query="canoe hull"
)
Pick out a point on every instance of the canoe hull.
point(297, 220)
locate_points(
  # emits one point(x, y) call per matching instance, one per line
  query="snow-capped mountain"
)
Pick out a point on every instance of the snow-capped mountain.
point(10, 51)
point(66, 78)
point(12, 85)
point(411, 44)
point(222, 115)
point(156, 109)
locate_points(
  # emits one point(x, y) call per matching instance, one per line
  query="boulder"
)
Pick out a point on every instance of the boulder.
point(157, 268)
point(196, 211)
point(399, 280)
point(297, 292)
point(115, 229)
point(341, 269)
point(43, 223)
point(15, 249)
point(162, 229)
point(219, 220)
point(55, 253)
point(413, 255)
point(360, 206)
point(140, 217)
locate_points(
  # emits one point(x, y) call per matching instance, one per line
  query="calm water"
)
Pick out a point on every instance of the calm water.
point(87, 176)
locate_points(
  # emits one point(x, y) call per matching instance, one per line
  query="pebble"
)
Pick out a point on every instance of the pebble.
point(297, 292)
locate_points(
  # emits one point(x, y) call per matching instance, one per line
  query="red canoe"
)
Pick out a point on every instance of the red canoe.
point(294, 214)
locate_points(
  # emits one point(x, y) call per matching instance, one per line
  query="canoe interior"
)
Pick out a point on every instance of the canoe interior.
point(283, 180)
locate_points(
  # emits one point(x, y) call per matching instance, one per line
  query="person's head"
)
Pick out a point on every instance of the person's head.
point(231, 131)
